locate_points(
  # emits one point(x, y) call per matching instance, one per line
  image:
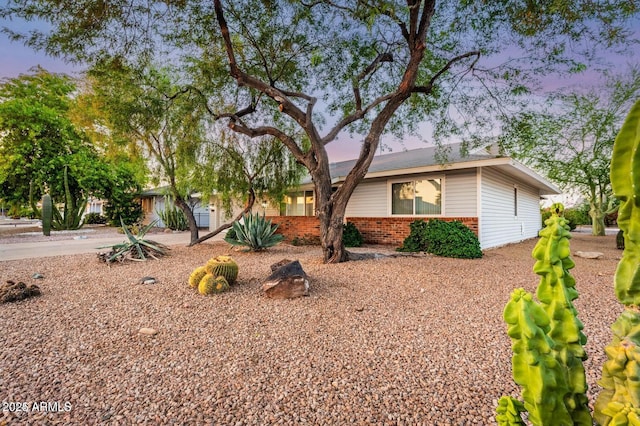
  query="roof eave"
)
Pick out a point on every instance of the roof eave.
point(507, 163)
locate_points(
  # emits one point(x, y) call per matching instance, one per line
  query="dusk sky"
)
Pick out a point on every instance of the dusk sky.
point(17, 59)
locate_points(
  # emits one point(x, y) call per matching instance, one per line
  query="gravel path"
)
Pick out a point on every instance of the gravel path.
point(395, 341)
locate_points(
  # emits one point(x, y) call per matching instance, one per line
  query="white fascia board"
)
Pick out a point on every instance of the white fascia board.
point(547, 187)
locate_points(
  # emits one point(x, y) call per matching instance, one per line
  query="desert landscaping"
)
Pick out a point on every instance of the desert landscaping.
point(403, 340)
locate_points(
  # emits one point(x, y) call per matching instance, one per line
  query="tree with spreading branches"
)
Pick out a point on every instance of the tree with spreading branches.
point(238, 168)
point(330, 67)
point(570, 139)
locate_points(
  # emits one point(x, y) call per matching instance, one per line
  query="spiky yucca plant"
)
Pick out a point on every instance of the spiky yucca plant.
point(255, 232)
point(136, 247)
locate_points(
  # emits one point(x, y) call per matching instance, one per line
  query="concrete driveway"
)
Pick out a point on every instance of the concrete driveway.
point(74, 245)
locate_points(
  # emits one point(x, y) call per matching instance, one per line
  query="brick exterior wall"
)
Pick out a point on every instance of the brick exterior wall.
point(297, 226)
point(374, 230)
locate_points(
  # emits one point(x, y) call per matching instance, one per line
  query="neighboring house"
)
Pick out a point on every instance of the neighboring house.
point(95, 205)
point(156, 199)
point(496, 196)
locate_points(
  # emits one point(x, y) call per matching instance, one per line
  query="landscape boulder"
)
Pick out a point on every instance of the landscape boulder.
point(287, 281)
point(589, 254)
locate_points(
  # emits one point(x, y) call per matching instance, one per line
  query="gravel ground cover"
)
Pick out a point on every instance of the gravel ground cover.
point(398, 341)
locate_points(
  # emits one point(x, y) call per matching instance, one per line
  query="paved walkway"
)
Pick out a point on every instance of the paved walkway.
point(29, 250)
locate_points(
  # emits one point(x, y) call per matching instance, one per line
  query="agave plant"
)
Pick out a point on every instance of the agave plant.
point(135, 248)
point(255, 232)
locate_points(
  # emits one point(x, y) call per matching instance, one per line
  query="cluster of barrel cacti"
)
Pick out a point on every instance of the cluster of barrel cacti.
point(547, 338)
point(619, 401)
point(216, 276)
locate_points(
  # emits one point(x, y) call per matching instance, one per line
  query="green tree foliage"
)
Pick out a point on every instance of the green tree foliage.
point(170, 125)
point(238, 168)
point(43, 151)
point(571, 139)
point(267, 68)
point(147, 108)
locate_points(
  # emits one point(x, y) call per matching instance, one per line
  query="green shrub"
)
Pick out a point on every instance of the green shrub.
point(576, 217)
point(94, 219)
point(255, 232)
point(173, 218)
point(447, 239)
point(417, 239)
point(351, 236)
point(126, 208)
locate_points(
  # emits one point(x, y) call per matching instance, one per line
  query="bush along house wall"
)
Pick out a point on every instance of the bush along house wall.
point(393, 230)
point(374, 230)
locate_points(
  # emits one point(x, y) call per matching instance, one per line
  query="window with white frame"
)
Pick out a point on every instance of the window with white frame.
point(417, 197)
point(298, 203)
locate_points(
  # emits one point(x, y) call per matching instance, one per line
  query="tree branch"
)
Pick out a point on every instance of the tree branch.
point(243, 79)
point(449, 64)
point(238, 126)
point(354, 117)
point(247, 208)
point(371, 69)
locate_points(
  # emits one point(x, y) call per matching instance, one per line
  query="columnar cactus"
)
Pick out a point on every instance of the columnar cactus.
point(556, 292)
point(547, 338)
point(223, 266)
point(619, 402)
point(47, 214)
point(535, 367)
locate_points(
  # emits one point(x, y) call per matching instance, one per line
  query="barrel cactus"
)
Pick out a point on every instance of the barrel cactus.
point(211, 284)
point(196, 276)
point(223, 266)
point(619, 401)
point(216, 276)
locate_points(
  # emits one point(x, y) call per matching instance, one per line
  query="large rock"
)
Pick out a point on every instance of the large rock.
point(589, 254)
point(287, 281)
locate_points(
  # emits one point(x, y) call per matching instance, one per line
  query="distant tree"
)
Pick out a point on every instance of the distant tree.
point(148, 108)
point(571, 139)
point(41, 151)
point(377, 67)
point(184, 148)
point(238, 168)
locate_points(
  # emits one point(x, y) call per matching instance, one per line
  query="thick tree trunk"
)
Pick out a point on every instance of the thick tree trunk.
point(333, 250)
point(191, 219)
